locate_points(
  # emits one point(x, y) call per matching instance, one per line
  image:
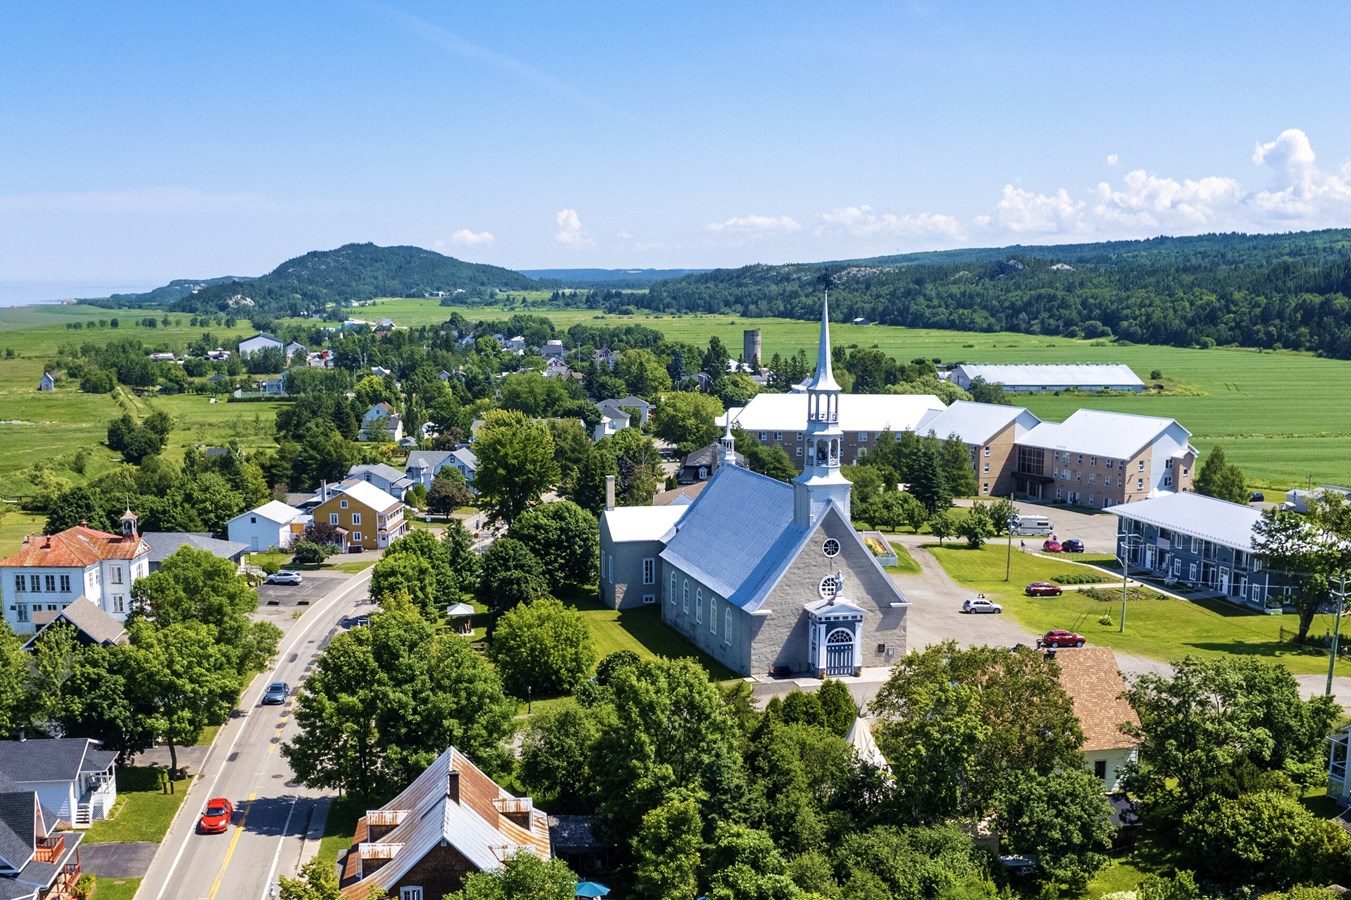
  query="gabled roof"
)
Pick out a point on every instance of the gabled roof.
point(77, 547)
point(976, 423)
point(382, 470)
point(473, 823)
point(1196, 515)
point(465, 456)
point(164, 544)
point(87, 618)
point(858, 412)
point(1071, 374)
point(52, 759)
point(680, 496)
point(273, 511)
point(708, 456)
point(1093, 681)
point(427, 459)
point(368, 495)
point(641, 523)
point(1107, 434)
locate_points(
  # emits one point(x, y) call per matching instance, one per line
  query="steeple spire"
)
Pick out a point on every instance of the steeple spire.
point(824, 379)
point(821, 483)
point(728, 445)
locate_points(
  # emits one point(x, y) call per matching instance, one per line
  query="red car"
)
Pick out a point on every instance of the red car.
point(1043, 589)
point(216, 817)
point(1061, 638)
point(1050, 546)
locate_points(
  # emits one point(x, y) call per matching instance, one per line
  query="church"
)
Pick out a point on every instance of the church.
point(766, 577)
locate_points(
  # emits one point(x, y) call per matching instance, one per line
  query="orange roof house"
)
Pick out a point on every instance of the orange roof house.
point(1093, 681)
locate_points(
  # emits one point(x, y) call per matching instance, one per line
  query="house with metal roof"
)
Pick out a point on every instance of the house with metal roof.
point(92, 625)
point(164, 544)
point(768, 577)
point(451, 821)
point(50, 572)
point(1101, 459)
point(37, 862)
point(991, 433)
point(1201, 542)
point(274, 524)
point(1091, 677)
point(384, 476)
point(1041, 378)
point(74, 778)
point(258, 343)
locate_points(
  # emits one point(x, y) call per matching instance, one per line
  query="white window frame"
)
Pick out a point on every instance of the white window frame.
point(671, 599)
point(649, 570)
point(685, 597)
point(863, 437)
point(356, 518)
point(649, 599)
point(356, 537)
point(342, 504)
point(698, 606)
point(333, 519)
point(1141, 466)
point(713, 614)
point(119, 603)
point(987, 451)
point(412, 892)
point(1139, 484)
point(727, 625)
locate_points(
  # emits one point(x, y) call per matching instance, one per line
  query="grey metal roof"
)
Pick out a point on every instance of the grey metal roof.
point(1069, 375)
point(1196, 515)
point(1107, 434)
point(975, 423)
point(387, 472)
point(707, 456)
point(88, 618)
point(427, 459)
point(738, 536)
point(164, 544)
point(49, 759)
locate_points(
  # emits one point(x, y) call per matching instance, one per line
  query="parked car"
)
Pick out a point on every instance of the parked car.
point(1073, 545)
point(277, 692)
point(1050, 545)
point(216, 817)
point(1257, 497)
point(1059, 637)
point(980, 605)
point(284, 576)
point(1043, 589)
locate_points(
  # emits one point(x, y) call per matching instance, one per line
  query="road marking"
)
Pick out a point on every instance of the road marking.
point(360, 580)
point(230, 851)
point(276, 857)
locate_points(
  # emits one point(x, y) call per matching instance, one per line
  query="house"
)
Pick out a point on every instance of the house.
point(37, 862)
point(321, 360)
point(991, 433)
point(1201, 541)
point(273, 387)
point(75, 778)
point(553, 350)
point(218, 355)
point(605, 357)
point(385, 477)
point(451, 821)
point(702, 463)
point(624, 406)
point(258, 343)
point(274, 524)
point(381, 371)
point(50, 572)
point(1297, 499)
point(780, 420)
point(611, 423)
point(293, 348)
point(161, 357)
point(766, 577)
point(381, 423)
point(92, 625)
point(513, 344)
point(164, 544)
point(1034, 379)
point(371, 518)
point(556, 368)
point(48, 382)
point(1093, 681)
point(424, 465)
point(1100, 459)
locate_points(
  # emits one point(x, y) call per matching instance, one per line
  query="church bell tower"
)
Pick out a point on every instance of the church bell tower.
point(821, 482)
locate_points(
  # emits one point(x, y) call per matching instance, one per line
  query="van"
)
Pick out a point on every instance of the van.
point(1028, 524)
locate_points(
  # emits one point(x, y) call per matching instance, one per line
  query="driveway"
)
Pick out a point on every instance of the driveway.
point(125, 860)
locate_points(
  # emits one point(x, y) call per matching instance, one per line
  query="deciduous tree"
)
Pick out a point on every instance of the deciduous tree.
point(523, 874)
point(565, 539)
point(688, 419)
point(516, 464)
point(544, 648)
point(511, 575)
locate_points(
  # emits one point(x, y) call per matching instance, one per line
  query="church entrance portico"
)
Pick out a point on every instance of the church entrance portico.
point(836, 629)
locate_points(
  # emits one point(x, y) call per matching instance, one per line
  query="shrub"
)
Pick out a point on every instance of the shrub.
point(1079, 578)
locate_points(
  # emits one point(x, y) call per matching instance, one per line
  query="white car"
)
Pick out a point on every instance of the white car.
point(284, 576)
point(981, 605)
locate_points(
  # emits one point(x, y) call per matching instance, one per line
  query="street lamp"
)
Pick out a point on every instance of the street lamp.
point(1127, 541)
point(1008, 530)
point(1340, 594)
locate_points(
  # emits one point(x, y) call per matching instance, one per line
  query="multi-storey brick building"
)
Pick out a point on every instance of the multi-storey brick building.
point(991, 433)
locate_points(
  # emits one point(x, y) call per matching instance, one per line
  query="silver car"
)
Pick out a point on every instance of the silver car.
point(980, 605)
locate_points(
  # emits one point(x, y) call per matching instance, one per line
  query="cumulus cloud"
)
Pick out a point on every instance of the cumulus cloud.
point(1022, 212)
point(1151, 202)
point(861, 221)
point(466, 238)
point(570, 232)
point(1300, 189)
point(755, 225)
point(1113, 159)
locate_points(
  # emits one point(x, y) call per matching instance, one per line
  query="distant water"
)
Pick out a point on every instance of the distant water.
point(32, 293)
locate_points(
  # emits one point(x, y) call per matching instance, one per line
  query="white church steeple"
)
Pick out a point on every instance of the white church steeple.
point(728, 445)
point(821, 482)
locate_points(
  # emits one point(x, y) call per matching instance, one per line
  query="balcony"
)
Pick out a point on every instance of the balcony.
point(378, 849)
point(50, 849)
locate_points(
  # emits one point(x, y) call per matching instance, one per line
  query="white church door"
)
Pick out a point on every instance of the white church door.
point(840, 652)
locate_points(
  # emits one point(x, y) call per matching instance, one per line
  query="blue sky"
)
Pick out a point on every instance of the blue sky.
point(143, 142)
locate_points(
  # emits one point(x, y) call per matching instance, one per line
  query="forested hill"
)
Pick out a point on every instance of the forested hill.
point(609, 279)
point(1268, 291)
point(352, 272)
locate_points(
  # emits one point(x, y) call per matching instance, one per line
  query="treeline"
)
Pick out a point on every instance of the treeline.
point(1262, 292)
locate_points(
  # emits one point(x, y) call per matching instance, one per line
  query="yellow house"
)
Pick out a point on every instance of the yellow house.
point(371, 518)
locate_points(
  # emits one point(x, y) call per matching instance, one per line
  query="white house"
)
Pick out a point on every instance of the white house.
point(48, 382)
point(258, 343)
point(49, 572)
point(73, 777)
point(274, 524)
point(381, 412)
point(553, 350)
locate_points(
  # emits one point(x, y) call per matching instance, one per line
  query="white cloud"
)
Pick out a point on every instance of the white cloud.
point(755, 225)
point(1021, 212)
point(1113, 159)
point(861, 221)
point(570, 229)
point(1151, 202)
point(466, 238)
point(1300, 190)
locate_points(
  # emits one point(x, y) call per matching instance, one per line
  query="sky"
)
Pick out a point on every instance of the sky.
point(150, 141)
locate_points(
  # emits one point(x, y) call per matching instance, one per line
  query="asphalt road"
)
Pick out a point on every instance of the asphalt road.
point(272, 813)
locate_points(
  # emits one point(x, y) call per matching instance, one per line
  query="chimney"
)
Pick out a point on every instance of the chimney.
point(323, 491)
point(609, 492)
point(453, 786)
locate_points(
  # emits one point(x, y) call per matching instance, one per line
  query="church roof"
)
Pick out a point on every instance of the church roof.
point(738, 536)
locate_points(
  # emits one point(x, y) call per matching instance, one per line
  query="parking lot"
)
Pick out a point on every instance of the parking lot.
point(314, 586)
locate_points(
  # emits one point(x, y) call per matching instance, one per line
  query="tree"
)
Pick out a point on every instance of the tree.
point(523, 874)
point(744, 864)
point(318, 881)
point(1002, 512)
point(1313, 549)
point(411, 575)
point(448, 494)
point(511, 575)
point(771, 461)
point(555, 756)
point(975, 526)
point(644, 373)
point(308, 553)
point(688, 420)
point(516, 464)
point(735, 389)
point(668, 849)
point(1060, 818)
point(942, 526)
point(638, 464)
point(542, 648)
point(959, 473)
point(1217, 478)
point(460, 556)
point(588, 484)
point(564, 538)
point(925, 476)
point(13, 679)
point(838, 710)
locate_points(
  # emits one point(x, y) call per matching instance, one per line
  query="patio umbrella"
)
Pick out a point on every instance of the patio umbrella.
point(591, 889)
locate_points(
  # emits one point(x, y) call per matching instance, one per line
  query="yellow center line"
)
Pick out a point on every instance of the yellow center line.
point(234, 842)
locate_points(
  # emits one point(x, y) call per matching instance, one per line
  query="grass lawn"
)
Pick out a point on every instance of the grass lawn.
point(116, 888)
point(351, 568)
point(1163, 629)
point(339, 827)
point(639, 630)
point(143, 812)
point(208, 735)
point(905, 563)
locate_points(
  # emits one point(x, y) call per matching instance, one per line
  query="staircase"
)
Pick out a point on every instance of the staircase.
point(84, 815)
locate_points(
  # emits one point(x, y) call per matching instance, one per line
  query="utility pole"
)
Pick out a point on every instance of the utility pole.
point(1126, 540)
point(1340, 594)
